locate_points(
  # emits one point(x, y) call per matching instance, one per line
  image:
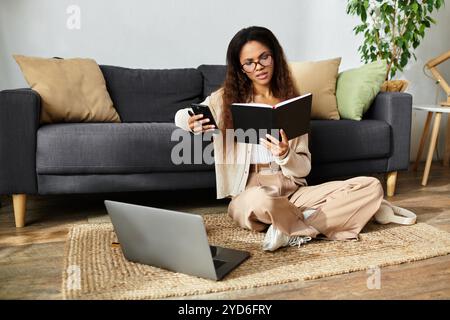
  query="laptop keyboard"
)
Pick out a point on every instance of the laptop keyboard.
point(218, 263)
point(213, 251)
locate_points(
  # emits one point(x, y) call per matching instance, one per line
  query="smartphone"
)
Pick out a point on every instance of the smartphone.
point(204, 109)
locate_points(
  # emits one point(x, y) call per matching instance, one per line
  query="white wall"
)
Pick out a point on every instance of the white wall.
point(177, 33)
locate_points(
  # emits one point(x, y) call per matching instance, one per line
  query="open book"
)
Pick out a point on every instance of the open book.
point(257, 119)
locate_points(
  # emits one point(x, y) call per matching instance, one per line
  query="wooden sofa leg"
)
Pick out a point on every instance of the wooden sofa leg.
point(20, 207)
point(391, 179)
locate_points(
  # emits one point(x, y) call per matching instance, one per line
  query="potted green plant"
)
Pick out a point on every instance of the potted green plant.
point(392, 30)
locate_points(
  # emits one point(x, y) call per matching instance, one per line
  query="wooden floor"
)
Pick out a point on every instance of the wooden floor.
point(31, 258)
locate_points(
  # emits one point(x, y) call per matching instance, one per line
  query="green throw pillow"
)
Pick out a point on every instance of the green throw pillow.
point(356, 89)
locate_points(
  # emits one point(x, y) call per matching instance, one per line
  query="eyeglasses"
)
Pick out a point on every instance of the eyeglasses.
point(265, 60)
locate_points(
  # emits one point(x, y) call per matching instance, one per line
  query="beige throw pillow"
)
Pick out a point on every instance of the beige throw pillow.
point(71, 90)
point(319, 78)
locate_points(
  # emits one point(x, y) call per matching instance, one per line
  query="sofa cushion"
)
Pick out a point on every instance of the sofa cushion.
point(318, 78)
point(71, 90)
point(146, 95)
point(357, 88)
point(213, 77)
point(343, 140)
point(110, 148)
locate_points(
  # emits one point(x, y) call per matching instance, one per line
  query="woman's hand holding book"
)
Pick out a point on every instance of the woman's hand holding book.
point(278, 148)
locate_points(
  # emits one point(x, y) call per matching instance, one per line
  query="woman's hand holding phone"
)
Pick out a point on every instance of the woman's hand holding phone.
point(198, 124)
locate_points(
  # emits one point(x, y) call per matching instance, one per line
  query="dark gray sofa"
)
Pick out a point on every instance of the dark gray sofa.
point(135, 155)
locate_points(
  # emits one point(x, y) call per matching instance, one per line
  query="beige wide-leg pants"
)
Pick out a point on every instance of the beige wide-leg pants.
point(342, 207)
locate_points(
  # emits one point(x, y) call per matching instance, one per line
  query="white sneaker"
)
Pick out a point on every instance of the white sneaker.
point(275, 239)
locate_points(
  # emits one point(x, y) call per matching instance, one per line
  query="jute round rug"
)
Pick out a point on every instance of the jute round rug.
point(94, 269)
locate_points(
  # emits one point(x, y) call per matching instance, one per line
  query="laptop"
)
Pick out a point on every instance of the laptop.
point(171, 240)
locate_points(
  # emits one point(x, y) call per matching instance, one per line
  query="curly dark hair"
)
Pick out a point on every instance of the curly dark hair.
point(237, 87)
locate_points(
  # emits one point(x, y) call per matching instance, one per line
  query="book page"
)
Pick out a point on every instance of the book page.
point(291, 100)
point(264, 105)
point(254, 104)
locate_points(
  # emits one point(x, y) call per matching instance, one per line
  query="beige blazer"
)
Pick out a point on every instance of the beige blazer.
point(231, 176)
